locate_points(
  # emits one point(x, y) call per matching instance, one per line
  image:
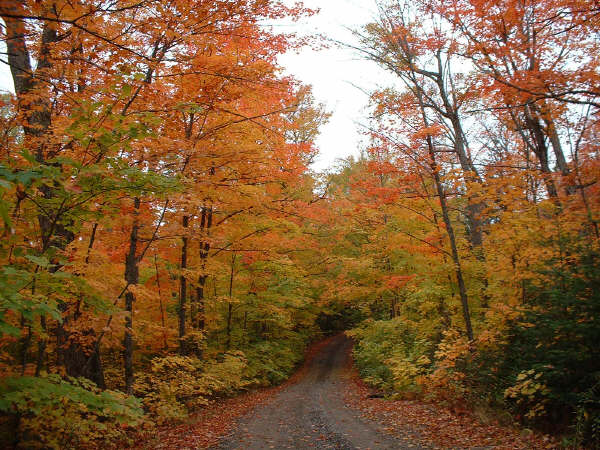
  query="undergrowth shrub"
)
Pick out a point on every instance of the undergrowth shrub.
point(555, 342)
point(392, 354)
point(51, 412)
point(175, 385)
point(271, 362)
point(452, 361)
point(56, 412)
point(541, 361)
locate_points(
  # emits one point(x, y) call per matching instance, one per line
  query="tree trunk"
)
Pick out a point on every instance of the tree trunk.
point(160, 304)
point(183, 286)
point(393, 306)
point(37, 111)
point(475, 206)
point(541, 150)
point(449, 228)
point(41, 356)
point(230, 306)
point(561, 161)
point(462, 290)
point(132, 275)
point(205, 225)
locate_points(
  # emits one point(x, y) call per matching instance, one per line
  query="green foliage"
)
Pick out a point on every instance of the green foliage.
point(13, 280)
point(557, 340)
point(31, 284)
point(391, 354)
point(9, 179)
point(175, 385)
point(271, 362)
point(587, 424)
point(529, 393)
point(547, 370)
point(50, 412)
point(52, 287)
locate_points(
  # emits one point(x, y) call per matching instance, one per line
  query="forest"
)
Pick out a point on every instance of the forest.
point(166, 244)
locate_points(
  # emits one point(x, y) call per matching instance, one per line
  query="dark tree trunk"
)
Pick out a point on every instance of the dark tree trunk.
point(230, 305)
point(462, 290)
point(132, 275)
point(541, 150)
point(205, 226)
point(79, 363)
point(41, 356)
point(160, 304)
point(24, 342)
point(183, 286)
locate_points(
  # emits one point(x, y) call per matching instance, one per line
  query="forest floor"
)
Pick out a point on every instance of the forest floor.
point(326, 406)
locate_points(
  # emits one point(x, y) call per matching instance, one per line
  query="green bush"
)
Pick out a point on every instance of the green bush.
point(172, 386)
point(391, 354)
point(50, 412)
point(557, 339)
point(271, 362)
point(175, 385)
point(544, 366)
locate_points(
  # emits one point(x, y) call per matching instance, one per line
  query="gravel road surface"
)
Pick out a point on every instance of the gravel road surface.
point(311, 413)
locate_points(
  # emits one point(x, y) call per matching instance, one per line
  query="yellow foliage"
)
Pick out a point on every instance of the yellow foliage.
point(529, 394)
point(174, 385)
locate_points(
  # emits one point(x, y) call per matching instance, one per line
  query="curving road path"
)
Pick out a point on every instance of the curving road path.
point(311, 413)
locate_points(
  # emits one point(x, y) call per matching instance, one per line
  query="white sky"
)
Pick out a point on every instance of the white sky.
point(6, 83)
point(335, 74)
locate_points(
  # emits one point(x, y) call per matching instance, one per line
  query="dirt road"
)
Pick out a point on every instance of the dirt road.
point(312, 413)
